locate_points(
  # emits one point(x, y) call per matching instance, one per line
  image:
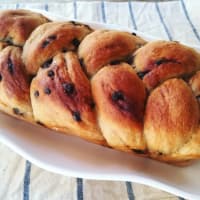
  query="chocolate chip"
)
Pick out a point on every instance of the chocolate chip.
point(75, 42)
point(115, 62)
point(76, 116)
point(92, 105)
point(47, 63)
point(10, 66)
point(138, 151)
point(88, 27)
point(48, 40)
point(9, 43)
point(9, 40)
point(40, 123)
point(45, 43)
point(133, 33)
point(47, 91)
point(0, 77)
point(64, 49)
point(68, 88)
point(142, 74)
point(81, 62)
point(50, 73)
point(36, 93)
point(159, 61)
point(73, 22)
point(130, 59)
point(16, 111)
point(117, 95)
point(52, 37)
point(79, 24)
point(198, 97)
point(166, 60)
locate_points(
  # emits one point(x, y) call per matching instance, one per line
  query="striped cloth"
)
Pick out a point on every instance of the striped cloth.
point(174, 20)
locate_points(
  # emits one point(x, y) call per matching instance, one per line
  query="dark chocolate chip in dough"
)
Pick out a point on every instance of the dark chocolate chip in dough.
point(92, 105)
point(50, 73)
point(16, 111)
point(9, 40)
point(68, 88)
point(40, 123)
point(73, 22)
point(48, 40)
point(130, 60)
point(52, 37)
point(75, 42)
point(133, 33)
point(76, 116)
point(64, 49)
point(81, 62)
point(142, 74)
point(138, 151)
point(159, 61)
point(115, 62)
point(117, 95)
point(36, 93)
point(198, 97)
point(47, 63)
point(10, 66)
point(47, 91)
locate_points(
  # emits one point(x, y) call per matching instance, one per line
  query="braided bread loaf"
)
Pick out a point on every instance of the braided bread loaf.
point(109, 87)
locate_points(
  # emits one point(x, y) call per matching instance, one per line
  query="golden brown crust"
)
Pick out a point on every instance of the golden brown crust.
point(105, 46)
point(161, 60)
point(16, 25)
point(49, 39)
point(194, 82)
point(171, 118)
point(191, 149)
point(66, 90)
point(14, 84)
point(120, 107)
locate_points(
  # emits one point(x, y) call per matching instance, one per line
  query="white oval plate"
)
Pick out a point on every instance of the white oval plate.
point(72, 156)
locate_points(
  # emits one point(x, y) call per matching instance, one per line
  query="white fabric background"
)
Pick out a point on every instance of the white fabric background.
point(174, 20)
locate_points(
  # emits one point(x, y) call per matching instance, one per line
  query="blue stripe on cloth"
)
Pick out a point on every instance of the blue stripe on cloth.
point(75, 9)
point(103, 11)
point(17, 6)
point(162, 21)
point(189, 20)
point(27, 180)
point(46, 7)
point(132, 15)
point(79, 188)
point(129, 189)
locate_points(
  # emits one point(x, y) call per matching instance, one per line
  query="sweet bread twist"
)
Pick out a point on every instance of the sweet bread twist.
point(109, 87)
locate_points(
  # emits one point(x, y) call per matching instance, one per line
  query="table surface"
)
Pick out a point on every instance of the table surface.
point(174, 20)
